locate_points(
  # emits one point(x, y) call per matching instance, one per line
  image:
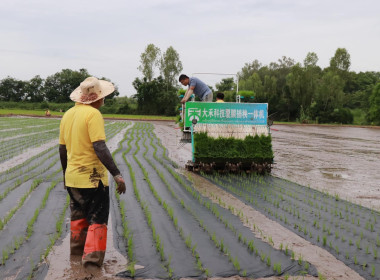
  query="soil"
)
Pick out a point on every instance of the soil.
point(340, 160)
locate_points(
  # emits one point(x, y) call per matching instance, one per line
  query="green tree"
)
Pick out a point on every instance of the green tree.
point(294, 81)
point(310, 60)
point(170, 66)
point(34, 89)
point(374, 109)
point(248, 69)
point(59, 86)
point(226, 84)
point(330, 91)
point(149, 59)
point(341, 60)
point(155, 97)
point(312, 74)
point(12, 89)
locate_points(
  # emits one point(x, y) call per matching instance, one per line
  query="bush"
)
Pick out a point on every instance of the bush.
point(342, 115)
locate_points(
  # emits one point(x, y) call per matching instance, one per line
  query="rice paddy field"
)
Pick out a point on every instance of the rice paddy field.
point(173, 224)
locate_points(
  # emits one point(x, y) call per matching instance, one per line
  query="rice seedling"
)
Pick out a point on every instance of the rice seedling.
point(373, 271)
point(293, 255)
point(337, 249)
point(269, 261)
point(324, 240)
point(131, 269)
point(5, 256)
point(262, 256)
point(277, 268)
point(357, 242)
point(300, 260)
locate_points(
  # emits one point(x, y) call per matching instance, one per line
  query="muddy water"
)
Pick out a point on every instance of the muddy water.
point(340, 160)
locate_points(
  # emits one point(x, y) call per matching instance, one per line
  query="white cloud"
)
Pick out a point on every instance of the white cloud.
point(107, 37)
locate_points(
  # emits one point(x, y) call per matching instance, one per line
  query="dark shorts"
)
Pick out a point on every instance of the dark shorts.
point(93, 204)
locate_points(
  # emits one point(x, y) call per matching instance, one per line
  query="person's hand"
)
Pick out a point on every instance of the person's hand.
point(120, 184)
point(183, 101)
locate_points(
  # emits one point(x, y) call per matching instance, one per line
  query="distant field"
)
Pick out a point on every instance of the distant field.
point(116, 116)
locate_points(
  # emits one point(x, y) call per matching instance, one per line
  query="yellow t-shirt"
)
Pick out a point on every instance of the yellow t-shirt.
point(80, 127)
point(219, 101)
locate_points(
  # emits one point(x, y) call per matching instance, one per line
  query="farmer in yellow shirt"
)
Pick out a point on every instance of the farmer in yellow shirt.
point(85, 161)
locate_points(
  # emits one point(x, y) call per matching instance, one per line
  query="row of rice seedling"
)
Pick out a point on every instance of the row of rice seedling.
point(11, 134)
point(35, 231)
point(215, 212)
point(311, 218)
point(26, 166)
point(127, 234)
point(17, 123)
point(25, 178)
point(169, 210)
point(13, 147)
point(12, 211)
point(148, 214)
point(113, 128)
point(18, 241)
point(42, 134)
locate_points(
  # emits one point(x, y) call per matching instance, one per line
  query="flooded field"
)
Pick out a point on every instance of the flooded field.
point(340, 160)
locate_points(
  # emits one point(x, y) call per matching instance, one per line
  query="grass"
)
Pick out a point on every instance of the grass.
point(41, 113)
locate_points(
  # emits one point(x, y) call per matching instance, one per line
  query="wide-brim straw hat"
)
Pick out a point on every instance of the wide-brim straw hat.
point(91, 90)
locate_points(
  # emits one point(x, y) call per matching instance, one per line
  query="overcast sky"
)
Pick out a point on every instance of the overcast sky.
point(42, 37)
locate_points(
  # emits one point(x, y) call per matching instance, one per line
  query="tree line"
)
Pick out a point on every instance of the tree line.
point(55, 88)
point(295, 91)
point(306, 92)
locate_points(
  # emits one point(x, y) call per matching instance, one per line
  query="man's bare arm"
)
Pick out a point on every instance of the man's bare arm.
point(188, 93)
